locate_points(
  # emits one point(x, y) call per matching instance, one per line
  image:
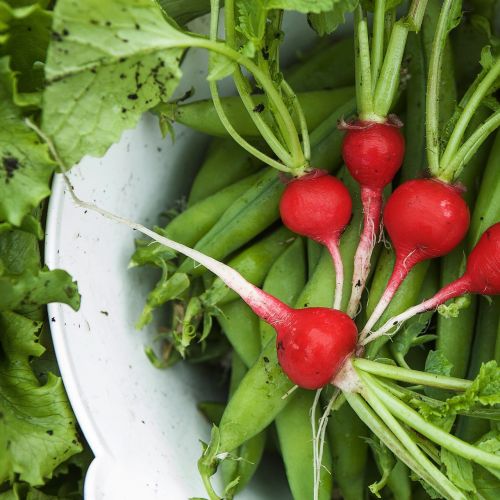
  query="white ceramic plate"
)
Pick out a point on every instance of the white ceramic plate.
point(141, 423)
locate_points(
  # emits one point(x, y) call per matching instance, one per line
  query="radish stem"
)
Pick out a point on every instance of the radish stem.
point(372, 206)
point(454, 289)
point(433, 85)
point(333, 248)
point(446, 440)
point(428, 470)
point(382, 431)
point(411, 376)
point(397, 277)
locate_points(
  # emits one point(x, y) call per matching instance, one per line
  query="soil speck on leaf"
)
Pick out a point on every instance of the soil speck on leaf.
point(10, 164)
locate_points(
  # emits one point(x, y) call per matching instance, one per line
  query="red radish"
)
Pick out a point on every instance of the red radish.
point(312, 342)
point(482, 275)
point(319, 206)
point(425, 218)
point(373, 153)
point(313, 345)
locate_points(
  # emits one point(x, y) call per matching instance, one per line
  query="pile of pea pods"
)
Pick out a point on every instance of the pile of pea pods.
point(231, 214)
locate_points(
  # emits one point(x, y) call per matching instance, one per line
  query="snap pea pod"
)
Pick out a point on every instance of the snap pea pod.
point(295, 437)
point(454, 335)
point(487, 207)
point(248, 456)
point(253, 264)
point(313, 255)
point(349, 452)
point(256, 402)
point(285, 280)
point(327, 68)
point(248, 216)
point(485, 337)
point(189, 226)
point(241, 327)
point(406, 296)
point(212, 410)
point(202, 116)
point(225, 163)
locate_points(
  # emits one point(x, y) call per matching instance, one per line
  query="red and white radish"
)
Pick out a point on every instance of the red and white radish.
point(319, 206)
point(482, 276)
point(373, 153)
point(425, 218)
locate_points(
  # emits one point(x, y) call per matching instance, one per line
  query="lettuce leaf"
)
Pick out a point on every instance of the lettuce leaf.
point(37, 426)
point(25, 166)
point(107, 63)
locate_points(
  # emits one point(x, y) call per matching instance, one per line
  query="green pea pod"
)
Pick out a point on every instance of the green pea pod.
point(239, 469)
point(225, 163)
point(455, 333)
point(346, 434)
point(313, 254)
point(285, 280)
point(189, 226)
point(487, 207)
point(211, 410)
point(256, 402)
point(241, 327)
point(406, 296)
point(248, 216)
point(415, 106)
point(295, 437)
point(327, 68)
point(202, 116)
point(253, 264)
point(485, 338)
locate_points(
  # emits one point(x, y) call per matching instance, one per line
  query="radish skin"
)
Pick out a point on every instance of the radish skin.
point(425, 218)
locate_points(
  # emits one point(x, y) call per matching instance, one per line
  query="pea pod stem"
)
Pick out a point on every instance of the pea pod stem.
point(411, 376)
